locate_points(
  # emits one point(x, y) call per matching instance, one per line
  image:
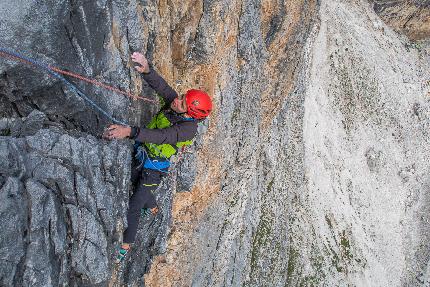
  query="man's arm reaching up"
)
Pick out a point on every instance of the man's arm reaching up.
point(154, 80)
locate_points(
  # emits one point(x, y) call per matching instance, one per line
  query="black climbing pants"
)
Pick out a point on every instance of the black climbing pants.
point(145, 181)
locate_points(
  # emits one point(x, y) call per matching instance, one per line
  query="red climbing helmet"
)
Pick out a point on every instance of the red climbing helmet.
point(199, 104)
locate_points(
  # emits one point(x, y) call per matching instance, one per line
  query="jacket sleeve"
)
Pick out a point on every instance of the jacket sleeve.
point(156, 82)
point(177, 133)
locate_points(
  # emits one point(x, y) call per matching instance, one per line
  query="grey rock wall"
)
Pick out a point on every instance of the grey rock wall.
point(91, 38)
point(94, 39)
point(65, 198)
point(63, 204)
point(319, 185)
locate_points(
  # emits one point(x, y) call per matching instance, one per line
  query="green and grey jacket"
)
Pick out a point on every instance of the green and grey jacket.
point(167, 131)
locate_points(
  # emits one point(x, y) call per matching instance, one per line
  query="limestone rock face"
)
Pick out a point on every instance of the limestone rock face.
point(364, 208)
point(311, 171)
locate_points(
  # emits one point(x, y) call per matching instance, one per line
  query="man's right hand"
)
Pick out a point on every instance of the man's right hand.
point(140, 59)
point(117, 132)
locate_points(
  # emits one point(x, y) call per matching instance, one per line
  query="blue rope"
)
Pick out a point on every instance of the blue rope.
point(67, 83)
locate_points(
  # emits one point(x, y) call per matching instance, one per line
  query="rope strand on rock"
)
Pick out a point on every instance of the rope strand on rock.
point(100, 84)
point(56, 72)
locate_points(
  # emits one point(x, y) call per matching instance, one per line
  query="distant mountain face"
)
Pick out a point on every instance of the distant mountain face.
point(411, 17)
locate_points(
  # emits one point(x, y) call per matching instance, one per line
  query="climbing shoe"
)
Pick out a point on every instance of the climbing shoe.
point(121, 254)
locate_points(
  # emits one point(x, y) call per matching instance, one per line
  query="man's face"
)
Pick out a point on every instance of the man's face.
point(179, 104)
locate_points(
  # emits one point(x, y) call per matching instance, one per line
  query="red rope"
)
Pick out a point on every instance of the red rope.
point(100, 84)
point(14, 57)
point(85, 79)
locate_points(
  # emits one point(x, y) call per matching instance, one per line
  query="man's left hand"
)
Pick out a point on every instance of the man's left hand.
point(117, 132)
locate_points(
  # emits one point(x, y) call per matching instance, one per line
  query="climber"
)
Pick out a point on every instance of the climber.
point(172, 128)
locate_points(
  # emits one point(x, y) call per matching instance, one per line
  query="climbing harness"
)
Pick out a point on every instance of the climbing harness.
point(161, 165)
point(56, 72)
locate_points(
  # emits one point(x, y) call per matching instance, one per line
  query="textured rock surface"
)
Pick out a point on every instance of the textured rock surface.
point(232, 228)
point(313, 170)
point(63, 203)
